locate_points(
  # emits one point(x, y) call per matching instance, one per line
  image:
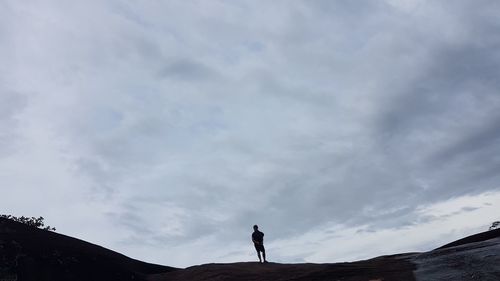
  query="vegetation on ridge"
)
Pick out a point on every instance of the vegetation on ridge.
point(36, 222)
point(495, 225)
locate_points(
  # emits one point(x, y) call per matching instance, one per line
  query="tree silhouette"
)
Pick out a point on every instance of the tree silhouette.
point(35, 222)
point(495, 225)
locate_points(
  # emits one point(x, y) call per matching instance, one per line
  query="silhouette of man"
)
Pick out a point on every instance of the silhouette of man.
point(258, 242)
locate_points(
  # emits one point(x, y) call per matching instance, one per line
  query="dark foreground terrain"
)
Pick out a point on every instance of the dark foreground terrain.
point(383, 268)
point(28, 253)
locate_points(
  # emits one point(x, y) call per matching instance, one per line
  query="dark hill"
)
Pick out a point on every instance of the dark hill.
point(38, 255)
point(473, 238)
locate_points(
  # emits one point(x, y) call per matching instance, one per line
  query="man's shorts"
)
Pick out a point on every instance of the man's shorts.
point(259, 248)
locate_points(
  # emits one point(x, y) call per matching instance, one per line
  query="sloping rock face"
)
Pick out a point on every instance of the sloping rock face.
point(28, 253)
point(471, 258)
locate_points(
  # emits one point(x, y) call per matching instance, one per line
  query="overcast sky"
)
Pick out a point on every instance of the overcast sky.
point(166, 129)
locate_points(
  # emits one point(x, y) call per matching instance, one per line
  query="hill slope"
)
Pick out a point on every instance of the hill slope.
point(476, 257)
point(36, 254)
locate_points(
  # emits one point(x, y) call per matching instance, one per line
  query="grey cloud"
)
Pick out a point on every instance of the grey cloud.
point(335, 187)
point(448, 97)
point(484, 137)
point(12, 105)
point(133, 221)
point(186, 69)
point(468, 209)
point(456, 73)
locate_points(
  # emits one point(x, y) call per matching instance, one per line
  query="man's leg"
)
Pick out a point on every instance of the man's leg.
point(264, 254)
point(258, 254)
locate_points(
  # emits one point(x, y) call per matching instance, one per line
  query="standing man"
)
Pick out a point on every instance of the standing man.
point(258, 242)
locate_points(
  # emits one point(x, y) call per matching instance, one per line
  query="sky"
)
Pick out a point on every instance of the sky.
point(166, 129)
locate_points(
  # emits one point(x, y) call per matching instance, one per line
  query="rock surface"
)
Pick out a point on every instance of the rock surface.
point(472, 261)
point(29, 253)
point(386, 268)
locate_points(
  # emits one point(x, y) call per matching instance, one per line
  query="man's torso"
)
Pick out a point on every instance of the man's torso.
point(258, 236)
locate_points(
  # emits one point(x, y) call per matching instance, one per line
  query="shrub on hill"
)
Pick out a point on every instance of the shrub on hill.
point(495, 225)
point(35, 222)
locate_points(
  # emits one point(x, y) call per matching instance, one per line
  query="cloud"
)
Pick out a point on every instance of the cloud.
point(174, 127)
point(11, 103)
point(186, 70)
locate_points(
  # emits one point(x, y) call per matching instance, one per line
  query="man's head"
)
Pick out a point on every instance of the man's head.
point(255, 227)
